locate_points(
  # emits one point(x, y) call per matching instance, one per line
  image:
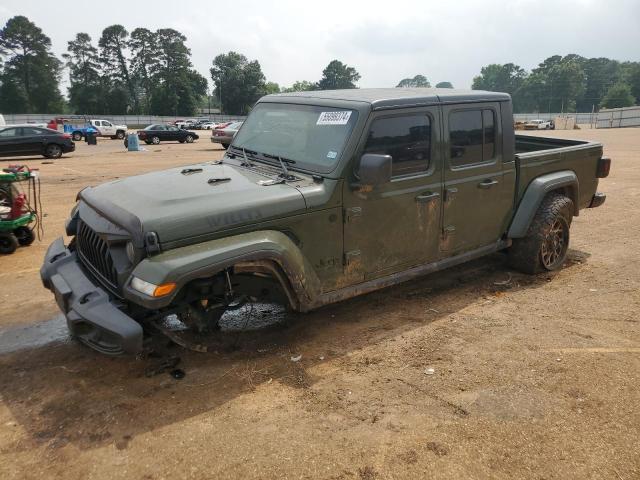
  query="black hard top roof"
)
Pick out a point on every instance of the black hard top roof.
point(392, 97)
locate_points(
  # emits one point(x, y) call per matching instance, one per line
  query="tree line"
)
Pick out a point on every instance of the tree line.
point(150, 72)
point(570, 83)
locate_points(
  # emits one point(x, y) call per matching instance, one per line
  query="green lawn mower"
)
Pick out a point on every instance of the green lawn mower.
point(19, 209)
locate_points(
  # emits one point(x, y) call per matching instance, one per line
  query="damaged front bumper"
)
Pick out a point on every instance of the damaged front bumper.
point(92, 316)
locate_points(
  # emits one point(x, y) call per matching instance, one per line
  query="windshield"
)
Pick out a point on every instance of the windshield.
point(313, 137)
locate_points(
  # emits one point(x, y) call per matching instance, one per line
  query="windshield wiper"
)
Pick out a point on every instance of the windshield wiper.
point(283, 163)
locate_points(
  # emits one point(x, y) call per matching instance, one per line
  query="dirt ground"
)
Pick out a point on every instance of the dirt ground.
point(533, 377)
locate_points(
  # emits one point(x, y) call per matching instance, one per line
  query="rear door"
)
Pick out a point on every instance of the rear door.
point(397, 225)
point(477, 198)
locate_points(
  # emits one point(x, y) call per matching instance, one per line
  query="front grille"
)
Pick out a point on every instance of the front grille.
point(94, 253)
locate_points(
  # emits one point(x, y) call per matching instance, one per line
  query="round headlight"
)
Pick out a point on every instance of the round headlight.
point(131, 252)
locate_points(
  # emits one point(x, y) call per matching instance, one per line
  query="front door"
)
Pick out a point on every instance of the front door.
point(10, 143)
point(107, 129)
point(396, 225)
point(173, 133)
point(477, 198)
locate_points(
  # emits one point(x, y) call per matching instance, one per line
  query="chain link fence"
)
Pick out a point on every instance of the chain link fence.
point(131, 121)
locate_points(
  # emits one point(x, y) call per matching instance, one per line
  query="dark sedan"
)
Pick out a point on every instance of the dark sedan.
point(154, 134)
point(25, 140)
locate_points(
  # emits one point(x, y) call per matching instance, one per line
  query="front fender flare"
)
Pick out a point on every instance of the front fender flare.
point(535, 193)
point(202, 260)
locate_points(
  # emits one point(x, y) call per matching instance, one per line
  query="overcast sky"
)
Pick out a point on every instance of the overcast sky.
point(384, 40)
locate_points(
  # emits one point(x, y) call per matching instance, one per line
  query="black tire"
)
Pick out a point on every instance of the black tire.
point(8, 243)
point(544, 248)
point(155, 140)
point(225, 145)
point(24, 235)
point(119, 134)
point(53, 150)
point(188, 139)
point(77, 136)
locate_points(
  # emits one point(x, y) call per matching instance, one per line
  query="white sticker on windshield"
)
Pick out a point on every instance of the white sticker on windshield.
point(334, 118)
point(332, 154)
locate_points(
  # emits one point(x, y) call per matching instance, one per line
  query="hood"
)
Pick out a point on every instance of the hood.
point(178, 206)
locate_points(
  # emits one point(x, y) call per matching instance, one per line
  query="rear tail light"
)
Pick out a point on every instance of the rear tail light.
point(604, 165)
point(66, 135)
point(141, 134)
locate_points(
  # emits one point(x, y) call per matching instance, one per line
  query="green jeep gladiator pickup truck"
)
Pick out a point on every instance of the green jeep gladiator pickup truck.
point(322, 196)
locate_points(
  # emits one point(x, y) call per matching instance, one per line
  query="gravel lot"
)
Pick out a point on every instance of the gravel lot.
point(533, 377)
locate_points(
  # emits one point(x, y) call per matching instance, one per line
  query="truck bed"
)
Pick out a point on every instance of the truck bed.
point(537, 156)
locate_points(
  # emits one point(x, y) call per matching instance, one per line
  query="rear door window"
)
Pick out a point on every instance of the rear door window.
point(406, 138)
point(472, 136)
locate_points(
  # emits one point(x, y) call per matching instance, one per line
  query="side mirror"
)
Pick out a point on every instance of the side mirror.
point(374, 169)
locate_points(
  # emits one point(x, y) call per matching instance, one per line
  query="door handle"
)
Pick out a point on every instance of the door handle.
point(427, 197)
point(487, 183)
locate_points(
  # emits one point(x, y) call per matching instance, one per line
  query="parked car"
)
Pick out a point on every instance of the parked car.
point(538, 125)
point(186, 124)
point(209, 125)
point(166, 133)
point(225, 135)
point(27, 140)
point(309, 207)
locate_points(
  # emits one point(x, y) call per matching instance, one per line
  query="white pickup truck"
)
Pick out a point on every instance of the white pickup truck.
point(538, 125)
point(107, 129)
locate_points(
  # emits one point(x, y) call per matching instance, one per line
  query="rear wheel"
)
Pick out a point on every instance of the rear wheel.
point(77, 136)
point(155, 140)
point(53, 151)
point(119, 134)
point(544, 248)
point(24, 235)
point(225, 145)
point(189, 139)
point(8, 243)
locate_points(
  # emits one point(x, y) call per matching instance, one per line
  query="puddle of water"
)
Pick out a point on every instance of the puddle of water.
point(248, 317)
point(54, 330)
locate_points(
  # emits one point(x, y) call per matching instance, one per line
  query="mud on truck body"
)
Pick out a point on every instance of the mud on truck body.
point(322, 196)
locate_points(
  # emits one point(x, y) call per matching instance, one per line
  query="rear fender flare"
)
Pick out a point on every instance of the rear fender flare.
point(564, 181)
point(203, 260)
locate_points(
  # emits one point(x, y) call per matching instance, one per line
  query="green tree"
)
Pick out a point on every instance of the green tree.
point(631, 74)
point(239, 83)
point(85, 90)
point(29, 82)
point(619, 95)
point(122, 95)
point(564, 79)
point(600, 74)
point(444, 85)
point(144, 66)
point(417, 81)
point(337, 75)
point(300, 86)
point(178, 89)
point(506, 78)
point(271, 87)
